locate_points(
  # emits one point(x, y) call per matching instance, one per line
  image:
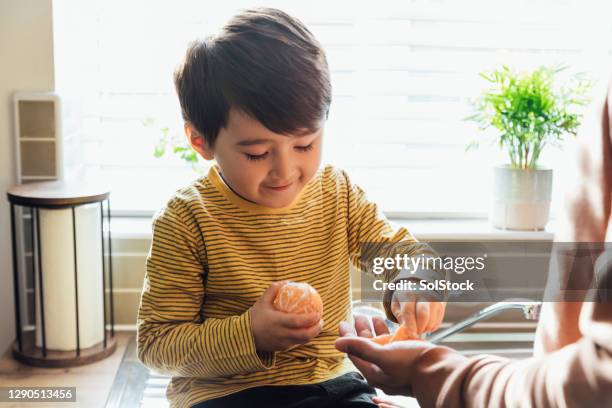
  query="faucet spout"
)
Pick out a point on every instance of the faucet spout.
point(531, 311)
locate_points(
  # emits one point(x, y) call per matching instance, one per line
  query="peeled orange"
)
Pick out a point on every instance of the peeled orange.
point(402, 333)
point(298, 297)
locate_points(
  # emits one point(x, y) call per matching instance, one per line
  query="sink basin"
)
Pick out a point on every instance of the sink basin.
point(509, 345)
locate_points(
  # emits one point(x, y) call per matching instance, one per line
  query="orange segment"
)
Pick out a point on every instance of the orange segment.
point(402, 333)
point(382, 339)
point(294, 297)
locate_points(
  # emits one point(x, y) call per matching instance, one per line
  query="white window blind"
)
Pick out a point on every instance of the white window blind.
point(402, 76)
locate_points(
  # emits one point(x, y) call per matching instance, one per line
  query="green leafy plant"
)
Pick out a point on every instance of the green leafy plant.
point(176, 143)
point(529, 110)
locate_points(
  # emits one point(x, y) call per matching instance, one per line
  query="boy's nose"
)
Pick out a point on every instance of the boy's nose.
point(282, 169)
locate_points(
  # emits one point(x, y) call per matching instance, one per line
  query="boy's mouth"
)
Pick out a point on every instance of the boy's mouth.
point(280, 188)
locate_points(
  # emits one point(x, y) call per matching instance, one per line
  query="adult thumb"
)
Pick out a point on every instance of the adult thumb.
point(363, 348)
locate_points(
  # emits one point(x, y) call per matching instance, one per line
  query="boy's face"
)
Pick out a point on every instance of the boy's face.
point(260, 165)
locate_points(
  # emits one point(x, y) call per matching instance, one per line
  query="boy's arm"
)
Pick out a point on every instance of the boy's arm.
point(172, 338)
point(371, 235)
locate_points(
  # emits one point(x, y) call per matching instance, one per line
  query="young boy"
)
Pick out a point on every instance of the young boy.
point(255, 98)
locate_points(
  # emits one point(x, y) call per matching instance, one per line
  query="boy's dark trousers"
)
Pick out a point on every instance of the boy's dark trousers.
point(348, 390)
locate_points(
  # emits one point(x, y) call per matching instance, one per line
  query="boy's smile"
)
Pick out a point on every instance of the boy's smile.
point(259, 165)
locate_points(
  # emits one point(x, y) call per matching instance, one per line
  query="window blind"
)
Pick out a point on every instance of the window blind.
point(403, 74)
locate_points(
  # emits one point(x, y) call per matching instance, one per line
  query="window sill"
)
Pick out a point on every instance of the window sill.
point(424, 229)
point(480, 229)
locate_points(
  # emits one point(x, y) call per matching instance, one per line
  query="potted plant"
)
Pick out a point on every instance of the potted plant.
point(529, 112)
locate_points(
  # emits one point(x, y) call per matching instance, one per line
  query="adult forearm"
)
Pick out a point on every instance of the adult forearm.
point(558, 326)
point(577, 375)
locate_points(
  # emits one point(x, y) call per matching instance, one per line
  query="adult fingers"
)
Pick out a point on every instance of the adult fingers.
point(346, 329)
point(385, 402)
point(380, 327)
point(372, 373)
point(364, 349)
point(362, 326)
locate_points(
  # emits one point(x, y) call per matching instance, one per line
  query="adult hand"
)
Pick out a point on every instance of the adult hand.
point(385, 403)
point(388, 367)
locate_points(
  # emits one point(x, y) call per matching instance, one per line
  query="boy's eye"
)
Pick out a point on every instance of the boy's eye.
point(304, 148)
point(256, 157)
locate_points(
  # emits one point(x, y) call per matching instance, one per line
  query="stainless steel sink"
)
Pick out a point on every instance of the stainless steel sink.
point(530, 309)
point(509, 345)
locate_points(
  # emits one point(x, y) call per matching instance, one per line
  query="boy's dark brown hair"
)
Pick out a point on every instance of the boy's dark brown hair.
point(264, 63)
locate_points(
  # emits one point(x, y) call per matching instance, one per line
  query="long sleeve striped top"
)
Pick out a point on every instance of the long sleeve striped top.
point(214, 253)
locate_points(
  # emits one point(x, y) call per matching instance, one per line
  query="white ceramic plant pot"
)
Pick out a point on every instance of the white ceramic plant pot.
point(521, 198)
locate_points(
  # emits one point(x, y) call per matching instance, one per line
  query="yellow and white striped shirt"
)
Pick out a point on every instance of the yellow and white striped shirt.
point(214, 253)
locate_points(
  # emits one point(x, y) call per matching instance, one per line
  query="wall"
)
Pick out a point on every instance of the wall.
point(26, 55)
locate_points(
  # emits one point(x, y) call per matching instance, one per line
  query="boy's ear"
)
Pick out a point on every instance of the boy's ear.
point(198, 142)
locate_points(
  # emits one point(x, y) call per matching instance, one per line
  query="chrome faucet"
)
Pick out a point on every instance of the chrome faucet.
point(530, 308)
point(531, 311)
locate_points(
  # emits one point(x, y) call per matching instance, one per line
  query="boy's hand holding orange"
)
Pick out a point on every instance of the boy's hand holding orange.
point(295, 297)
point(286, 314)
